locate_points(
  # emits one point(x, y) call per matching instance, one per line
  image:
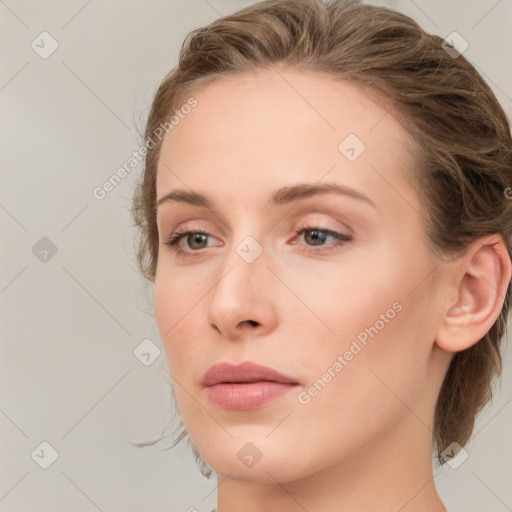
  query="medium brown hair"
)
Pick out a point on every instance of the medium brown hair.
point(463, 145)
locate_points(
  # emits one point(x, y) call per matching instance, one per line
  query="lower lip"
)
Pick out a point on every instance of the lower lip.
point(246, 396)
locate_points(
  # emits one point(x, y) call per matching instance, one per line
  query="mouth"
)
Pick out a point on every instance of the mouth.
point(245, 386)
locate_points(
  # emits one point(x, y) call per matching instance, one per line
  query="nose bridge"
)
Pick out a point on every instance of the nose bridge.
point(244, 259)
point(242, 291)
point(242, 271)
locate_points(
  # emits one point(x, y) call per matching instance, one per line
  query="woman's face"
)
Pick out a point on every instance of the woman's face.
point(346, 309)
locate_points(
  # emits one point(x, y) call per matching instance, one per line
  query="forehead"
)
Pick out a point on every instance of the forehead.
point(271, 126)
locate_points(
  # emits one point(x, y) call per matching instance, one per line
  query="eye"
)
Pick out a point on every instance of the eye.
point(317, 236)
point(198, 238)
point(314, 234)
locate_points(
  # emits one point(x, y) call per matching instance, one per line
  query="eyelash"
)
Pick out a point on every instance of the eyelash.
point(180, 233)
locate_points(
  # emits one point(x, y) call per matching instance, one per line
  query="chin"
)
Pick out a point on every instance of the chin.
point(260, 462)
point(262, 472)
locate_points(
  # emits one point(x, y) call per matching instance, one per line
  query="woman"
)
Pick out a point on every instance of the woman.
point(324, 215)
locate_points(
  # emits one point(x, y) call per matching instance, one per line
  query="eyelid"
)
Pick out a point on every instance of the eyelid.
point(193, 226)
point(324, 219)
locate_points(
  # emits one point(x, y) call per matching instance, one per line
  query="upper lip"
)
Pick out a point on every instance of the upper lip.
point(244, 372)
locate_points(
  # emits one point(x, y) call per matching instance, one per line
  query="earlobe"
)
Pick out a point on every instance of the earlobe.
point(484, 274)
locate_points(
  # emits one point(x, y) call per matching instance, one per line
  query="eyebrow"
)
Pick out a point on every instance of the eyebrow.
point(280, 197)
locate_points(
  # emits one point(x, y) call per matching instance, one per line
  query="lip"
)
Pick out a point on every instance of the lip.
point(245, 386)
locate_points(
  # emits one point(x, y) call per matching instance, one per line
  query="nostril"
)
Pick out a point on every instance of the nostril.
point(252, 322)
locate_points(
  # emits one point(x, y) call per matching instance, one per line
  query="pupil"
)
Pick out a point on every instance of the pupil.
point(197, 238)
point(316, 237)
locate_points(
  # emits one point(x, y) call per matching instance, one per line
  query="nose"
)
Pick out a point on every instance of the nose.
point(242, 302)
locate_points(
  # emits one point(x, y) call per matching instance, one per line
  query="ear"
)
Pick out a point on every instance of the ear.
point(481, 279)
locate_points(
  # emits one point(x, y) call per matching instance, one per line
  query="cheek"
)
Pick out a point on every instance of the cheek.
point(380, 324)
point(176, 293)
point(347, 295)
point(177, 302)
point(375, 385)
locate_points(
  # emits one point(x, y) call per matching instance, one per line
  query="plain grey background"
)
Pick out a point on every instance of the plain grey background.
point(74, 309)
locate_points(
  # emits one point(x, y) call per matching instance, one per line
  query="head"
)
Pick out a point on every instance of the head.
point(397, 287)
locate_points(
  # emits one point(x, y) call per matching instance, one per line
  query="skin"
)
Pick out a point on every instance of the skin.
point(363, 443)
